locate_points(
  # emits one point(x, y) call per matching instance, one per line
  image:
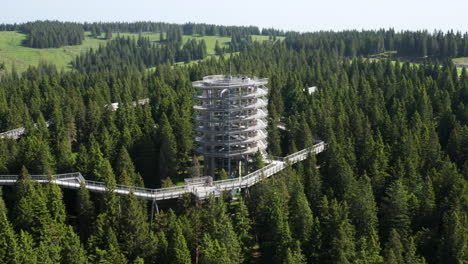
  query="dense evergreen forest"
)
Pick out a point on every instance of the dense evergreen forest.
point(199, 29)
point(52, 34)
point(139, 53)
point(390, 188)
point(405, 44)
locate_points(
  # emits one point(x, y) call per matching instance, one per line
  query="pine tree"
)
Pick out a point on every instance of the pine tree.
point(363, 208)
point(275, 235)
point(295, 256)
point(338, 243)
point(301, 218)
point(103, 244)
point(312, 181)
point(85, 212)
point(55, 203)
point(61, 141)
point(183, 130)
point(243, 225)
point(212, 252)
point(30, 211)
point(72, 252)
point(195, 168)
point(410, 255)
point(223, 175)
point(219, 225)
point(274, 137)
point(111, 255)
point(3, 208)
point(9, 249)
point(125, 170)
point(134, 236)
point(368, 249)
point(395, 213)
point(163, 247)
point(341, 176)
point(393, 251)
point(304, 135)
point(27, 254)
point(218, 49)
point(452, 248)
point(178, 250)
point(168, 164)
point(36, 155)
point(258, 162)
point(108, 34)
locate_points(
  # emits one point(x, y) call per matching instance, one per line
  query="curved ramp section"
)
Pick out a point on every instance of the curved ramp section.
point(201, 190)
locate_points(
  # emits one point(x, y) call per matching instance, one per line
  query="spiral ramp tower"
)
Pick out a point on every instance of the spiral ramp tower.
point(231, 119)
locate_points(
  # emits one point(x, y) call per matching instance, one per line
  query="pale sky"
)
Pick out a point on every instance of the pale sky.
point(299, 15)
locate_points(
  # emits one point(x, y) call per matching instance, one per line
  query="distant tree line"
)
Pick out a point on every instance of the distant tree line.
point(141, 53)
point(52, 34)
point(198, 29)
point(413, 44)
point(409, 44)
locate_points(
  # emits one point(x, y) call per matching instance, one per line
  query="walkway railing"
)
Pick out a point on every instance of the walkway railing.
point(201, 191)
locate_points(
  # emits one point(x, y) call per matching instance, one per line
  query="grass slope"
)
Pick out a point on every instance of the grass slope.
point(13, 53)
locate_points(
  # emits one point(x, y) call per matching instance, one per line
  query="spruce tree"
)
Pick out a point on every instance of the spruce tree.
point(368, 249)
point(27, 253)
point(168, 164)
point(394, 209)
point(134, 236)
point(195, 168)
point(301, 218)
point(219, 225)
point(55, 203)
point(125, 170)
point(452, 246)
point(212, 252)
point(258, 162)
point(312, 181)
point(243, 227)
point(30, 212)
point(218, 49)
point(178, 250)
point(393, 251)
point(295, 255)
point(9, 250)
point(338, 243)
point(72, 251)
point(363, 208)
point(85, 208)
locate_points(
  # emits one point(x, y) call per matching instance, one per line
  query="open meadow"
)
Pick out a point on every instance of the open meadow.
point(12, 52)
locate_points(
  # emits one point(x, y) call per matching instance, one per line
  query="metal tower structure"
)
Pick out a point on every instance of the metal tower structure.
point(231, 118)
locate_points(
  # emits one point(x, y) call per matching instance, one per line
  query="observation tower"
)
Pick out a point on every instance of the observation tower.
point(231, 121)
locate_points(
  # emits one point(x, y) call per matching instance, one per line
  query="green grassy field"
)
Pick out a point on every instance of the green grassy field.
point(156, 37)
point(460, 63)
point(13, 53)
point(211, 42)
point(264, 38)
point(463, 61)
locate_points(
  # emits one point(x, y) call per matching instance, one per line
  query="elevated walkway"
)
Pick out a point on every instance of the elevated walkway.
point(201, 189)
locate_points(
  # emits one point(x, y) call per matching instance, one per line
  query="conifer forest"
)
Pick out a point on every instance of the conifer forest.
point(390, 187)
